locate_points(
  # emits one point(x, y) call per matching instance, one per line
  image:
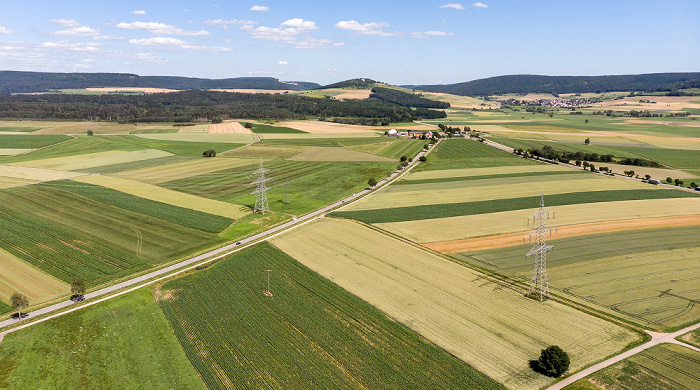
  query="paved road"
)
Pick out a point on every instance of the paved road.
point(225, 250)
point(656, 339)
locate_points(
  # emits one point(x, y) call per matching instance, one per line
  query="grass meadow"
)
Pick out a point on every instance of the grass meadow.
point(488, 324)
point(648, 276)
point(121, 343)
point(29, 141)
point(665, 366)
point(309, 333)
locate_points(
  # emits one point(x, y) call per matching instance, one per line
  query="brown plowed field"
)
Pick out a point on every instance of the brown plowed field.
point(512, 239)
point(229, 127)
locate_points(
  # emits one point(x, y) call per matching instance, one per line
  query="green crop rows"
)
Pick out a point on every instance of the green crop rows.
point(22, 141)
point(68, 235)
point(414, 213)
point(267, 129)
point(309, 334)
point(179, 215)
point(403, 147)
point(330, 142)
point(312, 184)
point(463, 153)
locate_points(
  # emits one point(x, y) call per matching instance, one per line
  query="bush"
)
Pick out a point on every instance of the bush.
point(669, 180)
point(209, 153)
point(404, 158)
point(422, 159)
point(553, 361)
point(216, 121)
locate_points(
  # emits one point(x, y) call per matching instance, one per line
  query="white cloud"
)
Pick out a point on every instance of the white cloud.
point(283, 63)
point(160, 28)
point(139, 12)
point(295, 32)
point(148, 57)
point(259, 8)
point(108, 38)
point(72, 46)
point(479, 4)
point(75, 29)
point(428, 34)
point(66, 22)
point(169, 43)
point(452, 5)
point(6, 31)
point(373, 28)
point(225, 22)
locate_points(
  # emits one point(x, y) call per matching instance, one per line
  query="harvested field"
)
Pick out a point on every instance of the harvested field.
point(35, 174)
point(19, 276)
point(164, 195)
point(321, 127)
point(265, 151)
point(228, 127)
point(12, 152)
point(91, 160)
point(469, 172)
point(228, 138)
point(458, 228)
point(312, 136)
point(665, 366)
point(181, 169)
point(320, 153)
point(6, 182)
point(408, 195)
point(512, 239)
point(319, 336)
point(490, 325)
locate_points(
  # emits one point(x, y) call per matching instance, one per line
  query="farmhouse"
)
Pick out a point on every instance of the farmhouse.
point(420, 133)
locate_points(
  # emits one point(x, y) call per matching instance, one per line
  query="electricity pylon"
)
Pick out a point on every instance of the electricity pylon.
point(261, 189)
point(538, 283)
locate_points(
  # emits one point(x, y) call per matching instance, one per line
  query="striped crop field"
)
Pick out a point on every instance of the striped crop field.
point(490, 171)
point(403, 147)
point(322, 153)
point(266, 152)
point(164, 195)
point(34, 174)
point(445, 210)
point(664, 366)
point(489, 324)
point(67, 235)
point(19, 276)
point(181, 169)
point(649, 276)
point(307, 333)
point(179, 215)
point(281, 136)
point(6, 182)
point(30, 141)
point(489, 189)
point(457, 228)
point(12, 152)
point(91, 160)
point(221, 138)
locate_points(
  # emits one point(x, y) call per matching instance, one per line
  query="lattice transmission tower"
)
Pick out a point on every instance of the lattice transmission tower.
point(260, 189)
point(539, 287)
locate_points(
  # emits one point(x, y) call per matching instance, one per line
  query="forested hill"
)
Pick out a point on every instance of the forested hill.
point(523, 84)
point(361, 83)
point(24, 82)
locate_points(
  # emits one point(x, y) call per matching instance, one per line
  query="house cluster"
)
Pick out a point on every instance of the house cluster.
point(410, 133)
point(564, 103)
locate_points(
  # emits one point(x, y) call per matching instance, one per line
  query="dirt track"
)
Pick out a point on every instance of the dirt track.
point(512, 239)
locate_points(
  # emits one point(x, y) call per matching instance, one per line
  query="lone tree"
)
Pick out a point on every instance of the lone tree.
point(209, 153)
point(19, 302)
point(77, 287)
point(422, 159)
point(372, 182)
point(587, 141)
point(553, 361)
point(403, 158)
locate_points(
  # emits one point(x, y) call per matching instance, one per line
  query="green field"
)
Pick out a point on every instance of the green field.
point(155, 131)
point(311, 184)
point(692, 338)
point(309, 334)
point(464, 153)
point(403, 147)
point(323, 153)
point(181, 169)
point(445, 210)
point(118, 344)
point(409, 180)
point(649, 276)
point(29, 141)
point(67, 235)
point(665, 366)
point(267, 129)
point(489, 324)
point(179, 215)
point(319, 141)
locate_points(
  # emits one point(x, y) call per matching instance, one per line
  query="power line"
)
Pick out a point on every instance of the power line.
point(539, 286)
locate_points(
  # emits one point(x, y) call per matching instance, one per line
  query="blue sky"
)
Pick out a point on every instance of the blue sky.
point(399, 42)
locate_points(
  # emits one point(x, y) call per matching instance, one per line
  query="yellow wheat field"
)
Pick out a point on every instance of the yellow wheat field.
point(181, 169)
point(492, 327)
point(91, 160)
point(19, 276)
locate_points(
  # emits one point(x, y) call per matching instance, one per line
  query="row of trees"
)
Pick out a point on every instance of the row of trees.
point(550, 153)
point(186, 106)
